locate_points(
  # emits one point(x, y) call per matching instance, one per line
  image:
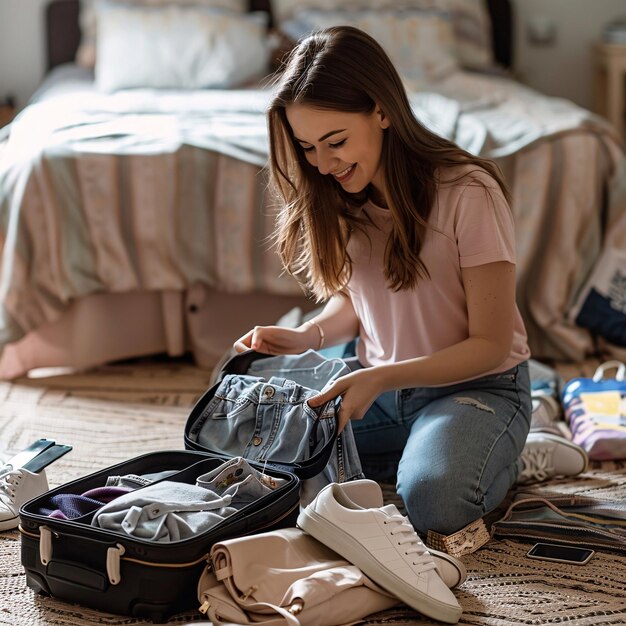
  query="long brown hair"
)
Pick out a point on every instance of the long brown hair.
point(344, 69)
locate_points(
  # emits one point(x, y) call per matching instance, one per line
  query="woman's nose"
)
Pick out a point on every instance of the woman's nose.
point(326, 163)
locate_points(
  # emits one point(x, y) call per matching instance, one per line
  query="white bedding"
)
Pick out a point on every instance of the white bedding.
point(159, 190)
point(488, 115)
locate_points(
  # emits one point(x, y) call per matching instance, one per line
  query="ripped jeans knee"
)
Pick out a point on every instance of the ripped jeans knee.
point(454, 449)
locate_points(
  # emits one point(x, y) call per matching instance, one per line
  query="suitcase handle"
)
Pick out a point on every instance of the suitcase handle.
point(114, 555)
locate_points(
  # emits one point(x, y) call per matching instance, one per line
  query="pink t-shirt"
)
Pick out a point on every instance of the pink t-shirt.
point(473, 226)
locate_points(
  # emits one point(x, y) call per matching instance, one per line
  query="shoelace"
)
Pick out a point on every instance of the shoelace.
point(537, 465)
point(8, 482)
point(414, 544)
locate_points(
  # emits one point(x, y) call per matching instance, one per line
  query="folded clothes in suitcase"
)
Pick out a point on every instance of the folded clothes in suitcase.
point(145, 561)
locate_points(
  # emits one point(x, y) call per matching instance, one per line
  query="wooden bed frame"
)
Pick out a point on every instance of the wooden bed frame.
point(63, 31)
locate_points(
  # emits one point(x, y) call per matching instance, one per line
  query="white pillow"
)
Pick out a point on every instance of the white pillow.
point(178, 47)
point(472, 32)
point(86, 53)
point(284, 10)
point(470, 20)
point(419, 43)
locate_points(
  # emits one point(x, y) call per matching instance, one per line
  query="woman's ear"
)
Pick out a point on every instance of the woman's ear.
point(383, 120)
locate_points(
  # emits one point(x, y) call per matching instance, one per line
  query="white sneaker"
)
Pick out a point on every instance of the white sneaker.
point(17, 487)
point(385, 546)
point(368, 495)
point(545, 456)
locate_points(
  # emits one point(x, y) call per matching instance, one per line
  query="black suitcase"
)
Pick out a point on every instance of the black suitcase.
point(102, 569)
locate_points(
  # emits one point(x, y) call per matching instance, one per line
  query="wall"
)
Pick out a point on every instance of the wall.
point(22, 51)
point(562, 69)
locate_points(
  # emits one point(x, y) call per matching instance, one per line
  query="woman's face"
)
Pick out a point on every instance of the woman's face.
point(346, 146)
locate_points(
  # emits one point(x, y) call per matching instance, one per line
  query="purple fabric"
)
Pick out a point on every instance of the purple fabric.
point(71, 505)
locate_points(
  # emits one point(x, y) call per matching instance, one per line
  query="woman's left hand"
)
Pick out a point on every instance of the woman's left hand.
point(358, 390)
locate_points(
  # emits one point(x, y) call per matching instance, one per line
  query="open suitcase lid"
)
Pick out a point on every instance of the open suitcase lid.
point(240, 364)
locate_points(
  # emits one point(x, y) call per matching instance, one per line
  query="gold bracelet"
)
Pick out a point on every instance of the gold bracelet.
point(319, 328)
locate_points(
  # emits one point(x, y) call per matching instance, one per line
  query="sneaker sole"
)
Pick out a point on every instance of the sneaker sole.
point(10, 523)
point(336, 539)
point(458, 566)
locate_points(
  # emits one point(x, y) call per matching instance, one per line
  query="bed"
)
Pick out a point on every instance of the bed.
point(135, 219)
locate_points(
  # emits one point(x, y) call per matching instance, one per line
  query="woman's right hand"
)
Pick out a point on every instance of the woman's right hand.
point(279, 340)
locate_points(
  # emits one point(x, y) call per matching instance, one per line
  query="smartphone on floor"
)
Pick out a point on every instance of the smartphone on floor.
point(46, 457)
point(28, 454)
point(558, 553)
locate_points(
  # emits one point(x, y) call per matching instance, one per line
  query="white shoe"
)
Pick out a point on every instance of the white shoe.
point(545, 456)
point(368, 495)
point(17, 487)
point(384, 545)
point(546, 415)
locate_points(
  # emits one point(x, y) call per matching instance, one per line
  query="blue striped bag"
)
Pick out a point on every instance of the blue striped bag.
point(595, 409)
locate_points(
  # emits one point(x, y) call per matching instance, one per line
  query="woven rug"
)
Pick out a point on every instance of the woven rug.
point(115, 412)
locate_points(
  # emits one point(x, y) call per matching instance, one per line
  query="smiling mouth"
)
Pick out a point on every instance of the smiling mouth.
point(344, 174)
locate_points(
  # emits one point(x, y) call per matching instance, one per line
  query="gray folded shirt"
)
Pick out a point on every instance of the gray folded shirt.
point(165, 511)
point(170, 511)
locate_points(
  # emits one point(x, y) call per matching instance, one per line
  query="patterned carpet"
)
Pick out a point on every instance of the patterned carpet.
point(118, 411)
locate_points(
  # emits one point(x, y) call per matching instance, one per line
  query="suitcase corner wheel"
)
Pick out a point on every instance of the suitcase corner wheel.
point(37, 583)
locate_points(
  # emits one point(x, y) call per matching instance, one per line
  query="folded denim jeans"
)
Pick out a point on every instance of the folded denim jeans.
point(315, 371)
point(269, 420)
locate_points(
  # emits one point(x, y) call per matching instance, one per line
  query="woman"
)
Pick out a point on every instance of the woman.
point(410, 242)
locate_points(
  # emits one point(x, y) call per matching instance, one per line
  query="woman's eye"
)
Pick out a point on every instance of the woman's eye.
point(338, 144)
point(309, 149)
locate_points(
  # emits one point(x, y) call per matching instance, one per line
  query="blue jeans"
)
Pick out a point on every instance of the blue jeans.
point(264, 415)
point(453, 450)
point(314, 370)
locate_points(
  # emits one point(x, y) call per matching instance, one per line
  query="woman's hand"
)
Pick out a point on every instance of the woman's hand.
point(337, 323)
point(358, 390)
point(278, 340)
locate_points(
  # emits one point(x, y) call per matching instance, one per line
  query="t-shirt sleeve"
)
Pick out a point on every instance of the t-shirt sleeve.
point(484, 226)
